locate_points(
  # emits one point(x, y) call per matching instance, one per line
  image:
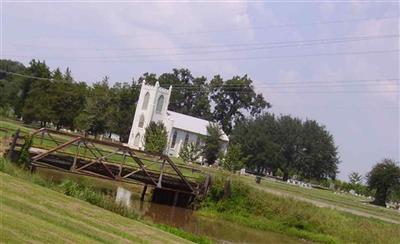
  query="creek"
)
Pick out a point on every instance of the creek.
point(218, 230)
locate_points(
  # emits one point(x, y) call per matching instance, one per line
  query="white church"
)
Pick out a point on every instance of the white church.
point(182, 129)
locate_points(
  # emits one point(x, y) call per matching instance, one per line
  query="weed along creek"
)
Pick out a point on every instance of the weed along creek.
point(218, 230)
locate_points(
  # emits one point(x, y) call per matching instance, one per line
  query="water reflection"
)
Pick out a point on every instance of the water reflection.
point(218, 230)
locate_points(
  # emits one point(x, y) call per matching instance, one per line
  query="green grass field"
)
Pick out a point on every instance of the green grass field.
point(34, 213)
point(325, 198)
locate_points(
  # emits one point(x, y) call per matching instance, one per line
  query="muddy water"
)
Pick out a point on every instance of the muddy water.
point(218, 230)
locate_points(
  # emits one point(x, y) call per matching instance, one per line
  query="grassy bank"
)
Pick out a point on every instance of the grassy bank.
point(325, 197)
point(258, 209)
point(30, 194)
point(33, 213)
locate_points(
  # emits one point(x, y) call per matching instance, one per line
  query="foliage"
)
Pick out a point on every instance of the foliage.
point(356, 184)
point(189, 94)
point(257, 140)
point(232, 98)
point(97, 107)
point(233, 159)
point(355, 178)
point(384, 178)
point(319, 158)
point(155, 137)
point(38, 94)
point(190, 152)
point(295, 147)
point(10, 86)
point(257, 209)
point(122, 108)
point(212, 143)
point(181, 233)
point(25, 156)
point(68, 100)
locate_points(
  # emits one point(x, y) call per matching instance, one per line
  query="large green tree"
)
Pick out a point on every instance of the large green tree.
point(68, 101)
point(36, 99)
point(95, 117)
point(122, 108)
point(289, 139)
point(257, 138)
point(319, 157)
point(233, 98)
point(288, 144)
point(384, 178)
point(189, 94)
point(10, 84)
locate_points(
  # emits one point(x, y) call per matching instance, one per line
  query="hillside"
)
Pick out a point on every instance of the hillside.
point(30, 212)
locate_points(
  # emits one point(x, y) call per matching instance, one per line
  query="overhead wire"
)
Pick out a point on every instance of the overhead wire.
point(258, 44)
point(237, 89)
point(224, 58)
point(226, 30)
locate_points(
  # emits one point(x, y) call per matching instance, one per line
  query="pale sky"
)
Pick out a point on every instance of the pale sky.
point(346, 52)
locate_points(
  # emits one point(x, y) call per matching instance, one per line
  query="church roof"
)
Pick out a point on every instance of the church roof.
point(191, 124)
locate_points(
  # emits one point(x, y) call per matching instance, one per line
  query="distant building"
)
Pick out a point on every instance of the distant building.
point(153, 106)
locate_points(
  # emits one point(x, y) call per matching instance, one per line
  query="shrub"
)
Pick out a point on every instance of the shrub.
point(24, 156)
point(212, 143)
point(233, 160)
point(155, 137)
point(189, 152)
point(384, 178)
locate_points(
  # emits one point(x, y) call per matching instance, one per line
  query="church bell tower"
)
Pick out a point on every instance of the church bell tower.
point(151, 106)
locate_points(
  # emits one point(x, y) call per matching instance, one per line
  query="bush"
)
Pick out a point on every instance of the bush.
point(155, 137)
point(233, 160)
point(212, 143)
point(189, 152)
point(384, 178)
point(24, 156)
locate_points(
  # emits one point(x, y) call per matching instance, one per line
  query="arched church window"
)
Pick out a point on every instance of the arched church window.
point(141, 121)
point(137, 140)
point(174, 139)
point(186, 139)
point(146, 101)
point(160, 103)
point(198, 141)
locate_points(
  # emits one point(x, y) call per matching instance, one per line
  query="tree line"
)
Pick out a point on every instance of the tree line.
point(51, 96)
point(259, 140)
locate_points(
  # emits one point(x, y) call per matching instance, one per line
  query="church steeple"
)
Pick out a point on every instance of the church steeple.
point(151, 106)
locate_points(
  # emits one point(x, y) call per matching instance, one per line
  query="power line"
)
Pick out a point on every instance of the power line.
point(286, 25)
point(226, 58)
point(246, 92)
point(295, 44)
point(298, 42)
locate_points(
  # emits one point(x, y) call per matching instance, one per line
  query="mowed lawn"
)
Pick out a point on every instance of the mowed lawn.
point(31, 213)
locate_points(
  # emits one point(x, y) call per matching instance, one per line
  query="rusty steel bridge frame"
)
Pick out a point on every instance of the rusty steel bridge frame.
point(99, 166)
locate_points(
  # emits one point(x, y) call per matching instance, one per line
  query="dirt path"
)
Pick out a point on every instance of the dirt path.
point(326, 205)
